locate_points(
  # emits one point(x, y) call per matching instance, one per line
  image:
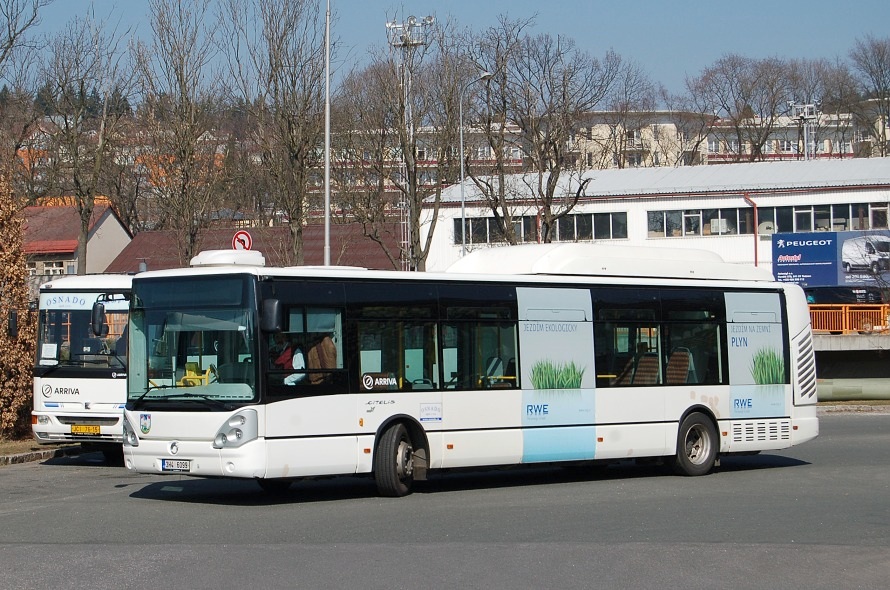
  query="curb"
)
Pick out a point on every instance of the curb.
point(854, 409)
point(40, 455)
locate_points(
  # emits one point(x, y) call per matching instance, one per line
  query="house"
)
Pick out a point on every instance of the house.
point(50, 241)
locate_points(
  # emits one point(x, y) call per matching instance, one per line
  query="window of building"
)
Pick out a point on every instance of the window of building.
point(822, 217)
point(840, 217)
point(879, 216)
point(859, 216)
point(584, 226)
point(634, 138)
point(784, 219)
point(803, 219)
point(54, 267)
point(713, 145)
point(565, 229)
point(481, 153)
point(692, 222)
point(655, 224)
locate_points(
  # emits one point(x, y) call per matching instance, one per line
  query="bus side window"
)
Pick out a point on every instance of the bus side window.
point(397, 355)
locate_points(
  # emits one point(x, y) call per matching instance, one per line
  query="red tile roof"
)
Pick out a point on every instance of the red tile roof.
point(160, 250)
point(54, 230)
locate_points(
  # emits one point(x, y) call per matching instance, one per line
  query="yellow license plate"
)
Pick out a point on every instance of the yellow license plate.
point(84, 429)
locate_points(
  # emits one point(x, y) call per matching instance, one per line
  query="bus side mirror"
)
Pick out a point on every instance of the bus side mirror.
point(98, 319)
point(272, 316)
point(12, 327)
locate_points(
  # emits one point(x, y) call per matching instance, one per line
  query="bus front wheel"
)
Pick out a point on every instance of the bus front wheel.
point(696, 445)
point(394, 462)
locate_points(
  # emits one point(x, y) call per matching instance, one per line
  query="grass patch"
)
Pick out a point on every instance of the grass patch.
point(546, 375)
point(768, 367)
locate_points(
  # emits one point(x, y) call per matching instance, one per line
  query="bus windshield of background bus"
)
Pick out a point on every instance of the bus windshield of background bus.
point(187, 348)
point(65, 337)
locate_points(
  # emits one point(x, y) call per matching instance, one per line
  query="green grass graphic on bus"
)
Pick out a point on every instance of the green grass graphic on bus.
point(767, 367)
point(547, 375)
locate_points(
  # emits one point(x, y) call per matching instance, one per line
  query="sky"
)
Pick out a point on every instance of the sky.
point(669, 40)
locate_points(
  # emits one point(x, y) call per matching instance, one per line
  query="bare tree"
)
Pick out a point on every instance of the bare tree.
point(364, 141)
point(831, 88)
point(16, 17)
point(397, 139)
point(747, 95)
point(18, 117)
point(276, 56)
point(494, 50)
point(551, 85)
point(871, 60)
point(179, 112)
point(88, 79)
point(628, 110)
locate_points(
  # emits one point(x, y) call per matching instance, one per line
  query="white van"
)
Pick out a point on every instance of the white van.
point(870, 252)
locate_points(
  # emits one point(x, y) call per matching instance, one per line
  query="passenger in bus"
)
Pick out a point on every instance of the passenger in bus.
point(322, 355)
point(289, 356)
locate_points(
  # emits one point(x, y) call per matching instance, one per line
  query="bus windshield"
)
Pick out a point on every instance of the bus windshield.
point(65, 338)
point(192, 343)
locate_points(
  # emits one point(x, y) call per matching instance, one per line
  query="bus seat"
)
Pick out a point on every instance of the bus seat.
point(625, 376)
point(677, 371)
point(647, 372)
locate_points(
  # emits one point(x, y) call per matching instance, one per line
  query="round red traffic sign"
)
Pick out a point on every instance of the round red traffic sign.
point(241, 240)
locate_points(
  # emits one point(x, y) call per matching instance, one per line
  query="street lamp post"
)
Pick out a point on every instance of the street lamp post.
point(806, 113)
point(327, 135)
point(460, 123)
point(408, 36)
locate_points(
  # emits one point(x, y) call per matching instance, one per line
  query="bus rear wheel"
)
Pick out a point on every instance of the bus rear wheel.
point(394, 462)
point(696, 446)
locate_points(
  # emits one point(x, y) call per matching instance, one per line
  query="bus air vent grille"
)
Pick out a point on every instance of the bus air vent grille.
point(806, 367)
point(761, 431)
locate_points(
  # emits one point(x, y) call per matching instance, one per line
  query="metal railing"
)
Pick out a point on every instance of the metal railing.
point(850, 318)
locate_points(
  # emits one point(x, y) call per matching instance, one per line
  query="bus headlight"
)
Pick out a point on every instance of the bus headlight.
point(130, 438)
point(240, 428)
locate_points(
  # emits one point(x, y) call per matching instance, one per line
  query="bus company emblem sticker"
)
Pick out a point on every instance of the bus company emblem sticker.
point(430, 412)
point(47, 390)
point(145, 423)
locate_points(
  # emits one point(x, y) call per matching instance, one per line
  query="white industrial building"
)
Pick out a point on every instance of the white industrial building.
point(705, 207)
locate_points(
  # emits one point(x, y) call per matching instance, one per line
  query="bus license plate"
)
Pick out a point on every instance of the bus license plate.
point(84, 429)
point(175, 465)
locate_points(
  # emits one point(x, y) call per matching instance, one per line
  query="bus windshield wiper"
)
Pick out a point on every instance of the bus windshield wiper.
point(148, 390)
point(210, 400)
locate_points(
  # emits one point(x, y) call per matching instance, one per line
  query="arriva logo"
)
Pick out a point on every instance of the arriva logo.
point(48, 390)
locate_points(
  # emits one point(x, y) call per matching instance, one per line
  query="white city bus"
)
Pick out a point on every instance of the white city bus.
point(518, 355)
point(80, 376)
